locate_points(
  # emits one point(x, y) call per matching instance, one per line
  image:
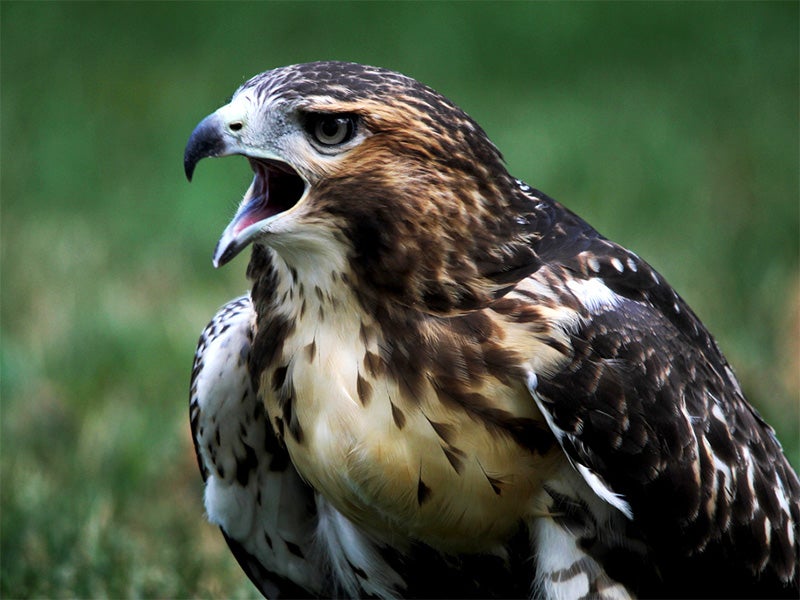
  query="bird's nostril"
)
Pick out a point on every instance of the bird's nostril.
point(235, 126)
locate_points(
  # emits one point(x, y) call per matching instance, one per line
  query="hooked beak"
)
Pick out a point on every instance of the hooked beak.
point(206, 140)
point(276, 186)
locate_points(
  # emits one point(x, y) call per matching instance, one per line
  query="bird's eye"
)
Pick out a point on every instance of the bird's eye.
point(332, 130)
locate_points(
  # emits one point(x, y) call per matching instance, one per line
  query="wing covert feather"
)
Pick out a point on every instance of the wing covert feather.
point(648, 409)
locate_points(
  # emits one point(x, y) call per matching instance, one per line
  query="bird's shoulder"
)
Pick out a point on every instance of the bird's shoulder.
point(645, 405)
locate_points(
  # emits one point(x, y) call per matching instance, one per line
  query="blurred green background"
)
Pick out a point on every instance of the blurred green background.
point(673, 128)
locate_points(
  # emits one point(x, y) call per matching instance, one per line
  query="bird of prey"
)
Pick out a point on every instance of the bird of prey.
point(443, 383)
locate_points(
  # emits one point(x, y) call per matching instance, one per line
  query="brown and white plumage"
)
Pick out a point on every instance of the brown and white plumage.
point(444, 383)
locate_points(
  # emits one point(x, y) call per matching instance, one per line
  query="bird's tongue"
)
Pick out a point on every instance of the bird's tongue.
point(254, 208)
point(275, 189)
point(257, 206)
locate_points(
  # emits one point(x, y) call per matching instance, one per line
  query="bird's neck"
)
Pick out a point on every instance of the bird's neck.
point(425, 259)
point(395, 267)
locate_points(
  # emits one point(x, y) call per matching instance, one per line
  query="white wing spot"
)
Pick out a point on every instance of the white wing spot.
point(594, 294)
point(631, 264)
point(602, 490)
point(617, 264)
point(727, 475)
point(532, 382)
point(523, 186)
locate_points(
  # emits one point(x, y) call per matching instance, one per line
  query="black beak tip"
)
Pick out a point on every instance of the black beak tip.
point(188, 166)
point(206, 140)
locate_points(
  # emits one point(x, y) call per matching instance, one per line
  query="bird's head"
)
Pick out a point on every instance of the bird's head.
point(402, 182)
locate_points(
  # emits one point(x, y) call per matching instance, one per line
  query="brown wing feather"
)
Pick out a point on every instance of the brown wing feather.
point(650, 405)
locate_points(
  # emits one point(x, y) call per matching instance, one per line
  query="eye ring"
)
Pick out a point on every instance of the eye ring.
point(332, 129)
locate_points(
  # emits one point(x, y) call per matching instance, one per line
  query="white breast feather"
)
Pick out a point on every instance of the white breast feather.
point(228, 409)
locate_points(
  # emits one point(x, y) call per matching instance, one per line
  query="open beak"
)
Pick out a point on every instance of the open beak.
point(276, 186)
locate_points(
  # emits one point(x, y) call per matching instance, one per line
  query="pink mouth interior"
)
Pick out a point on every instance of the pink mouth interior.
point(276, 189)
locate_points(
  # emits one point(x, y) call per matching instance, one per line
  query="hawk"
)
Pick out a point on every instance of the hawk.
point(445, 383)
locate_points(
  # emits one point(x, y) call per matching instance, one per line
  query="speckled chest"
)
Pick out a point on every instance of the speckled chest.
point(425, 450)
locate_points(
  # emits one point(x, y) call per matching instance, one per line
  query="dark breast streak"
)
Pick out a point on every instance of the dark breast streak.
point(458, 357)
point(455, 355)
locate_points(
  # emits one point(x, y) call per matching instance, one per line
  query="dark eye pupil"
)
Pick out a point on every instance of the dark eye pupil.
point(330, 127)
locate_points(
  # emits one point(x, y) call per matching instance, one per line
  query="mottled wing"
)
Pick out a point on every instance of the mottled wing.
point(252, 491)
point(652, 417)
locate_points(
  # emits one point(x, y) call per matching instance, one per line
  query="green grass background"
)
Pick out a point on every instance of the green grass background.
point(673, 128)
